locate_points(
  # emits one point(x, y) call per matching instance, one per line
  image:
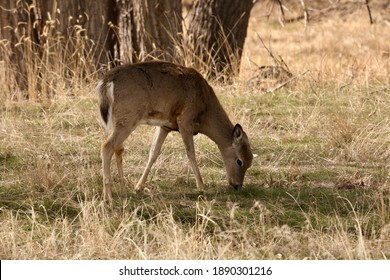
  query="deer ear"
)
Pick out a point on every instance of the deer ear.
point(237, 134)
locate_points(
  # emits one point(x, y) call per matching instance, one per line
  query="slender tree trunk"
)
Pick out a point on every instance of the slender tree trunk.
point(218, 30)
point(149, 29)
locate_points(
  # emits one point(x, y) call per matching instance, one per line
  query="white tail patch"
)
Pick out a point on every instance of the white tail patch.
point(107, 94)
point(110, 91)
point(99, 87)
point(110, 94)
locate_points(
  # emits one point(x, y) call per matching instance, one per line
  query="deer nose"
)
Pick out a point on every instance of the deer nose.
point(236, 187)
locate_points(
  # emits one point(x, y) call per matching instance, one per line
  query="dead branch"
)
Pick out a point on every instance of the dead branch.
point(278, 61)
point(282, 18)
point(369, 11)
point(286, 82)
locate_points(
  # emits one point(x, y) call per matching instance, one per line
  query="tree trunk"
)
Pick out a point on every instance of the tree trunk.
point(18, 35)
point(88, 18)
point(39, 35)
point(217, 31)
point(149, 29)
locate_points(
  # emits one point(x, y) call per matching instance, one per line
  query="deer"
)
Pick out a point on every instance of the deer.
point(172, 98)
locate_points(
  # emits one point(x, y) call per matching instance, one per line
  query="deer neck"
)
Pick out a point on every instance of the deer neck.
point(218, 127)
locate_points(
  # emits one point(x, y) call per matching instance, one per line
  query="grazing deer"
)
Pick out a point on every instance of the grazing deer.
point(173, 98)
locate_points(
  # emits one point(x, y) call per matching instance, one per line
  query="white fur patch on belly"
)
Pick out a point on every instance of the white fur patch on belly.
point(156, 122)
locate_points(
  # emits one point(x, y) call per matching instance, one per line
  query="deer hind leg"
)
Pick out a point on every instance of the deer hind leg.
point(158, 140)
point(188, 139)
point(119, 164)
point(114, 144)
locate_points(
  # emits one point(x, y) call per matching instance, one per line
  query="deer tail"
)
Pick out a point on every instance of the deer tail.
point(106, 97)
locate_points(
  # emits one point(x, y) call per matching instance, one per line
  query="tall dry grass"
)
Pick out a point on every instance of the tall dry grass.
point(97, 232)
point(56, 66)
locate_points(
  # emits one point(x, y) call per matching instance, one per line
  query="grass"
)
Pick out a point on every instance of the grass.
point(319, 187)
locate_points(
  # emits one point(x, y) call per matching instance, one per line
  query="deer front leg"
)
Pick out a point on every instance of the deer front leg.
point(188, 140)
point(155, 148)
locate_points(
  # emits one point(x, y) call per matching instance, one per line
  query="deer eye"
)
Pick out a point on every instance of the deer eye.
point(239, 162)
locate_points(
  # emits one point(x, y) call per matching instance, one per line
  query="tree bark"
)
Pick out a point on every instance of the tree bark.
point(31, 30)
point(149, 29)
point(85, 29)
point(94, 20)
point(16, 19)
point(217, 32)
